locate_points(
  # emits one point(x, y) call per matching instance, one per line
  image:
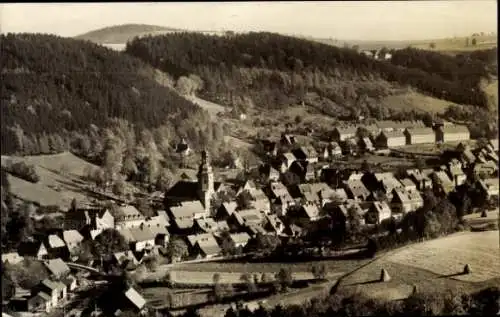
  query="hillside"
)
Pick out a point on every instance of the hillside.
point(448, 45)
point(273, 71)
point(118, 34)
point(54, 90)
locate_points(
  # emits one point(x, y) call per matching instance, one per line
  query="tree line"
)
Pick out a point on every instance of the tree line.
point(278, 70)
point(55, 89)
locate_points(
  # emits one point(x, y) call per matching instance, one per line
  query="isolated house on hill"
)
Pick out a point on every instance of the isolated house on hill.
point(420, 136)
point(453, 133)
point(182, 148)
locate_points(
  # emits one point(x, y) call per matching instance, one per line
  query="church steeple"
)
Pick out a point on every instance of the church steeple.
point(205, 180)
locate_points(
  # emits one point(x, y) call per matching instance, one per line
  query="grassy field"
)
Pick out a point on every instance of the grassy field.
point(447, 45)
point(60, 180)
point(411, 99)
point(206, 277)
point(432, 266)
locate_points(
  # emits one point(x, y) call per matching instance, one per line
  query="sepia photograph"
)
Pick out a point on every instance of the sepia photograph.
point(257, 159)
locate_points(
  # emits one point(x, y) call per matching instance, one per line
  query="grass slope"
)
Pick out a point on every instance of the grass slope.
point(60, 180)
point(432, 266)
point(452, 45)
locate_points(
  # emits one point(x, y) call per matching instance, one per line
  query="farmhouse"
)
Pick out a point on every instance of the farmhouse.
point(366, 144)
point(306, 153)
point(143, 237)
point(57, 268)
point(390, 139)
point(274, 224)
point(420, 178)
point(453, 133)
point(420, 136)
point(268, 173)
point(205, 247)
point(334, 149)
point(304, 170)
point(128, 217)
point(94, 219)
point(183, 215)
point(287, 140)
point(356, 190)
point(73, 239)
point(378, 212)
point(442, 182)
point(344, 133)
point(456, 173)
point(56, 290)
point(288, 158)
point(489, 188)
point(238, 240)
point(182, 148)
point(494, 144)
point(11, 258)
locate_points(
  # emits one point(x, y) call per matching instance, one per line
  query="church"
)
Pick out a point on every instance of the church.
point(188, 200)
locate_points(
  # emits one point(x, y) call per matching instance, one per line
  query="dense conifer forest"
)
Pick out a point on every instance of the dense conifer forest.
point(275, 70)
point(54, 87)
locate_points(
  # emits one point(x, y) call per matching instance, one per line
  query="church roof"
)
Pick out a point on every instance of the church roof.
point(184, 190)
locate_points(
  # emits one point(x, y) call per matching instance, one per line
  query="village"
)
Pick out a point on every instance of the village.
point(295, 188)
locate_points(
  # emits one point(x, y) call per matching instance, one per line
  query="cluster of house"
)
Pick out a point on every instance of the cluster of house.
point(391, 134)
point(269, 205)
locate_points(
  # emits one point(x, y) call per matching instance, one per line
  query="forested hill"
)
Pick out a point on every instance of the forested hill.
point(52, 85)
point(275, 70)
point(118, 34)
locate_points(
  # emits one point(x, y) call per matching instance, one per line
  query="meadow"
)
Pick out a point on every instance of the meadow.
point(435, 265)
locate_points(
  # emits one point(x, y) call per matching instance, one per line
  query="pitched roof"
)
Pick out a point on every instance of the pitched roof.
point(455, 129)
point(347, 129)
point(55, 242)
point(407, 182)
point(53, 285)
point(239, 238)
point(187, 209)
point(311, 210)
point(44, 296)
point(230, 206)
point(393, 134)
point(248, 216)
point(357, 188)
point(135, 298)
point(206, 242)
point(11, 257)
point(381, 206)
point(420, 131)
point(72, 236)
point(274, 221)
point(57, 267)
point(186, 190)
point(402, 195)
point(207, 224)
point(129, 212)
point(129, 255)
point(289, 156)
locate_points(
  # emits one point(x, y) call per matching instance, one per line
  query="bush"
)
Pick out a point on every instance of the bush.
point(24, 171)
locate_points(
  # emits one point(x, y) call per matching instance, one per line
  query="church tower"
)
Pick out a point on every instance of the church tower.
point(205, 181)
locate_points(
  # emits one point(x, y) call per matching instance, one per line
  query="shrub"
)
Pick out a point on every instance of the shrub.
point(24, 171)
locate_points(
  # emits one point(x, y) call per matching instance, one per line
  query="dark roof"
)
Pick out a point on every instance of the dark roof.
point(181, 147)
point(184, 190)
point(29, 248)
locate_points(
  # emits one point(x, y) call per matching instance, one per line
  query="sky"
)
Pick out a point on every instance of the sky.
point(370, 20)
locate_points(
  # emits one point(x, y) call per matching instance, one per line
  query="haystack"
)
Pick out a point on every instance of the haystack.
point(467, 269)
point(384, 276)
